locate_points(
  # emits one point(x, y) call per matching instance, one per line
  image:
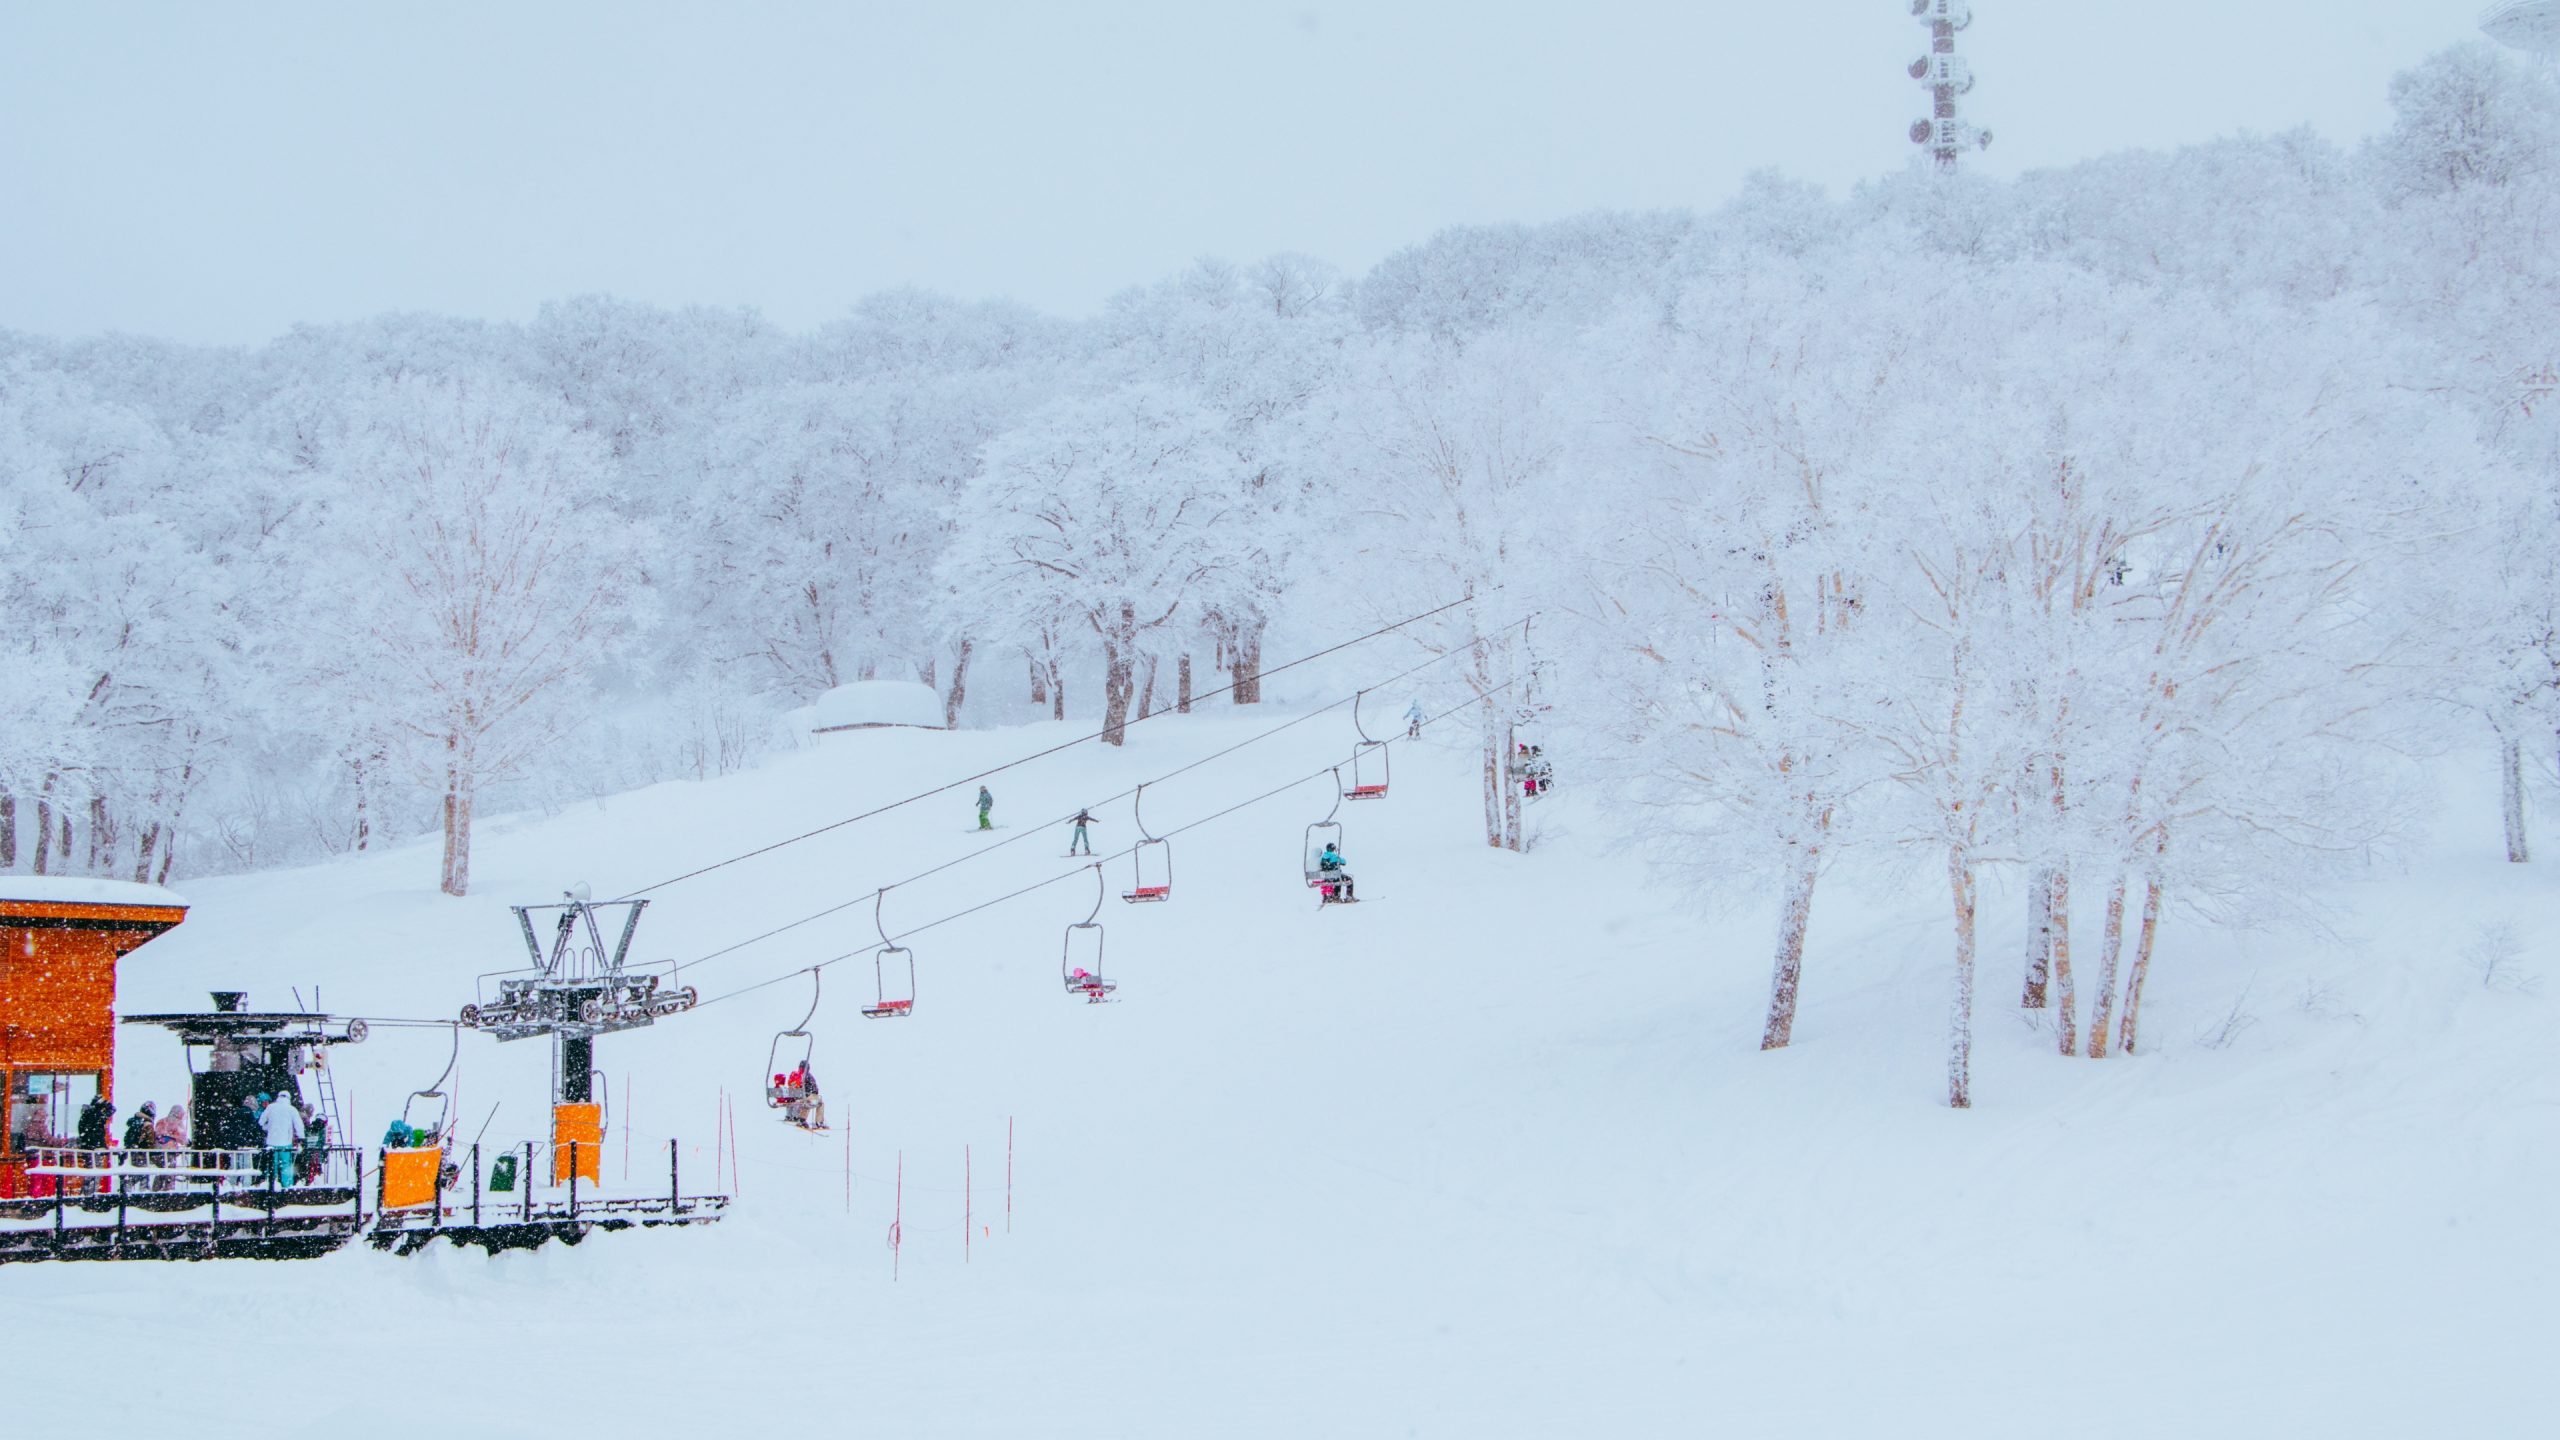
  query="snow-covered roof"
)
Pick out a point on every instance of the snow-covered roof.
point(81, 890)
point(879, 702)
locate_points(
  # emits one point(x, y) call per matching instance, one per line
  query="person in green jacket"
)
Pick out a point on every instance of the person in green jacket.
point(986, 803)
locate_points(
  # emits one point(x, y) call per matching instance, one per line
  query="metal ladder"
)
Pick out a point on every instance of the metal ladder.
point(328, 1088)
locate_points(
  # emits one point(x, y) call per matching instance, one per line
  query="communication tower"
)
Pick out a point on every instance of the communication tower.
point(1946, 76)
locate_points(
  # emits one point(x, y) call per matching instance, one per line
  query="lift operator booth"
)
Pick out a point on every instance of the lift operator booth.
point(60, 939)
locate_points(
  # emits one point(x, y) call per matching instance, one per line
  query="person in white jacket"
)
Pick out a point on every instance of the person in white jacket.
point(283, 1126)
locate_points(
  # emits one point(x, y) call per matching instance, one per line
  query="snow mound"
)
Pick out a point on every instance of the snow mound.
point(866, 703)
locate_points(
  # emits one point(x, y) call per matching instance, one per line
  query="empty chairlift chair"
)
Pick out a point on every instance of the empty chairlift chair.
point(1150, 861)
point(1369, 767)
point(888, 960)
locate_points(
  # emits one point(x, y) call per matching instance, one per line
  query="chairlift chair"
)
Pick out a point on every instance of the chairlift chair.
point(426, 1121)
point(790, 1086)
point(1150, 860)
point(426, 1112)
point(888, 1004)
point(1087, 980)
point(1369, 767)
point(1327, 831)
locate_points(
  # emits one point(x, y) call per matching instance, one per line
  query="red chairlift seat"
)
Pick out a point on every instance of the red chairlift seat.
point(887, 1004)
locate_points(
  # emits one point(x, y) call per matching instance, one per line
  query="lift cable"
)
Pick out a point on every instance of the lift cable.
point(1078, 872)
point(1049, 825)
point(1040, 755)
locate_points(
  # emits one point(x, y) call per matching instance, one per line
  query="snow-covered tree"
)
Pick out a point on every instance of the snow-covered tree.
point(479, 573)
point(1115, 510)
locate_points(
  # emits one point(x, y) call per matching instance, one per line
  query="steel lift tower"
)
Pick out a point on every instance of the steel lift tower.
point(1946, 76)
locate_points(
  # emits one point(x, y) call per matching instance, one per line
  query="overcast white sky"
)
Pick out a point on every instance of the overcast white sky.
point(220, 172)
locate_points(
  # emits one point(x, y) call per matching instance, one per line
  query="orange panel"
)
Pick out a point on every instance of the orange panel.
point(409, 1177)
point(58, 994)
point(585, 1125)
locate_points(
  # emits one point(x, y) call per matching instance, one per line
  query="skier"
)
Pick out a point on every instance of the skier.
point(807, 1111)
point(1337, 880)
point(986, 803)
point(1413, 721)
point(282, 1126)
point(1082, 842)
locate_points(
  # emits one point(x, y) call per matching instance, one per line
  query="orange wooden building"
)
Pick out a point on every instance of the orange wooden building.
point(60, 939)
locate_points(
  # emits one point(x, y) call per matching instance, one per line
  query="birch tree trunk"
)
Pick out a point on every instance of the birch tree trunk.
point(1147, 688)
point(1039, 680)
point(8, 832)
point(2511, 794)
point(102, 836)
point(460, 791)
point(1248, 660)
point(1119, 676)
point(958, 694)
point(1960, 883)
point(2039, 939)
point(1182, 684)
point(44, 827)
point(2102, 1011)
point(2141, 963)
point(1057, 691)
point(1792, 922)
point(2066, 995)
point(364, 803)
point(143, 853)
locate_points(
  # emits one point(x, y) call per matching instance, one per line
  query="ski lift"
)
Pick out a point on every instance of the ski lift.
point(425, 1113)
point(1148, 882)
point(787, 1088)
point(887, 1005)
point(1327, 831)
point(1368, 760)
point(1086, 979)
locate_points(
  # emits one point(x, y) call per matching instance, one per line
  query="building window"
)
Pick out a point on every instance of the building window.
point(45, 1105)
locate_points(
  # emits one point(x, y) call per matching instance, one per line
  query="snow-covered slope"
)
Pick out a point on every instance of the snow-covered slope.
point(1491, 1153)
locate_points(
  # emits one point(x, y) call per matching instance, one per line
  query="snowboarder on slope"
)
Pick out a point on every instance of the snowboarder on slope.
point(1337, 879)
point(986, 802)
point(1082, 841)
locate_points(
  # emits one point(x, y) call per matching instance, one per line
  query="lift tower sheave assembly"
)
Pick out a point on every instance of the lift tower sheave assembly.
point(576, 989)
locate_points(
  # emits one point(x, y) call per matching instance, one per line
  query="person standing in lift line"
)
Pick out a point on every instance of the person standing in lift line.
point(986, 803)
point(1082, 843)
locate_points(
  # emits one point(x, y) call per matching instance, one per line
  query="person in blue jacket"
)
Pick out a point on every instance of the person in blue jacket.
point(1329, 865)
